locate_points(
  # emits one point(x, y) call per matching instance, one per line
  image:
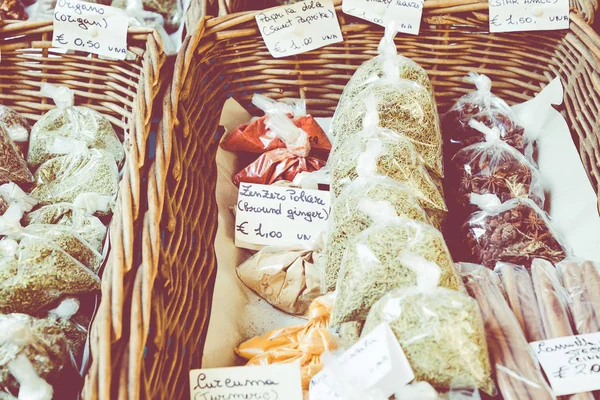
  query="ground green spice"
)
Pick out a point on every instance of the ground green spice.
point(47, 351)
point(88, 227)
point(62, 179)
point(441, 333)
point(42, 274)
point(371, 268)
point(76, 123)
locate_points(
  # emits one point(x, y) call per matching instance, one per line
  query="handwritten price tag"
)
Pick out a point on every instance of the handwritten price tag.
point(375, 364)
point(406, 13)
point(571, 363)
point(528, 15)
point(272, 382)
point(277, 215)
point(92, 28)
point(299, 28)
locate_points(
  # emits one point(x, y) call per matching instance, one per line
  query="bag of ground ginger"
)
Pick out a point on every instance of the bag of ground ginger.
point(348, 219)
point(403, 106)
point(69, 122)
point(388, 153)
point(33, 354)
point(374, 69)
point(440, 330)
point(371, 266)
point(64, 178)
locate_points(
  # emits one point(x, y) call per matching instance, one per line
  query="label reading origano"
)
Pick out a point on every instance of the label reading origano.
point(298, 28)
point(278, 215)
point(92, 28)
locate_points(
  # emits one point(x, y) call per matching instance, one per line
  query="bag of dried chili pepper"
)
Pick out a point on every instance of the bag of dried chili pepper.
point(481, 105)
point(492, 167)
point(256, 136)
point(281, 164)
point(516, 231)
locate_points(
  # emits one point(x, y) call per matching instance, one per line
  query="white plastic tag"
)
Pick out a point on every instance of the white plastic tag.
point(281, 381)
point(406, 13)
point(528, 15)
point(92, 28)
point(278, 215)
point(298, 28)
point(375, 365)
point(571, 363)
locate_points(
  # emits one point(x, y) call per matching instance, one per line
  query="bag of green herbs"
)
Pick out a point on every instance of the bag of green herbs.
point(403, 106)
point(70, 122)
point(74, 325)
point(12, 195)
point(440, 330)
point(80, 171)
point(348, 219)
point(374, 69)
point(13, 167)
point(84, 224)
point(371, 266)
point(388, 153)
point(33, 356)
point(40, 273)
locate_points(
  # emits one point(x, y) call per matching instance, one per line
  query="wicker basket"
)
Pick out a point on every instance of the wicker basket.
point(201, 8)
point(226, 57)
point(124, 91)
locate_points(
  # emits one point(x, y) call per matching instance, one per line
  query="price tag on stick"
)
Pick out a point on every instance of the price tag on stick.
point(528, 15)
point(299, 28)
point(406, 13)
point(92, 28)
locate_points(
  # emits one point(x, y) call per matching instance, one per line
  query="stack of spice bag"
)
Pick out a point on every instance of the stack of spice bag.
point(51, 238)
point(386, 257)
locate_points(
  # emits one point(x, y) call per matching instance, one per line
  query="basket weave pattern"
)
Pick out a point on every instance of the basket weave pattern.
point(227, 57)
point(123, 91)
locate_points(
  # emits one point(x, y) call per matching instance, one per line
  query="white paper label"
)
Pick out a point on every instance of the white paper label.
point(269, 382)
point(92, 28)
point(376, 364)
point(528, 15)
point(406, 13)
point(278, 215)
point(299, 28)
point(571, 363)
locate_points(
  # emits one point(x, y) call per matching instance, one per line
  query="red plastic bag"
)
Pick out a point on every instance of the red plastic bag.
point(256, 137)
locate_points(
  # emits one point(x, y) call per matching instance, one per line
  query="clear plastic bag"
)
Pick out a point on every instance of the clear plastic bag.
point(493, 167)
point(348, 219)
point(40, 274)
point(74, 325)
point(288, 278)
point(87, 226)
point(581, 280)
point(13, 167)
point(33, 354)
point(388, 153)
point(371, 268)
point(13, 195)
point(64, 178)
point(374, 69)
point(440, 330)
point(281, 164)
point(404, 106)
point(301, 343)
point(516, 231)
point(482, 106)
point(518, 290)
point(256, 137)
point(16, 125)
point(517, 371)
point(67, 123)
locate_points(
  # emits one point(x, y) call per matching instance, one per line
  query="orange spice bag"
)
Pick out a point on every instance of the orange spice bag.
point(303, 343)
point(256, 136)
